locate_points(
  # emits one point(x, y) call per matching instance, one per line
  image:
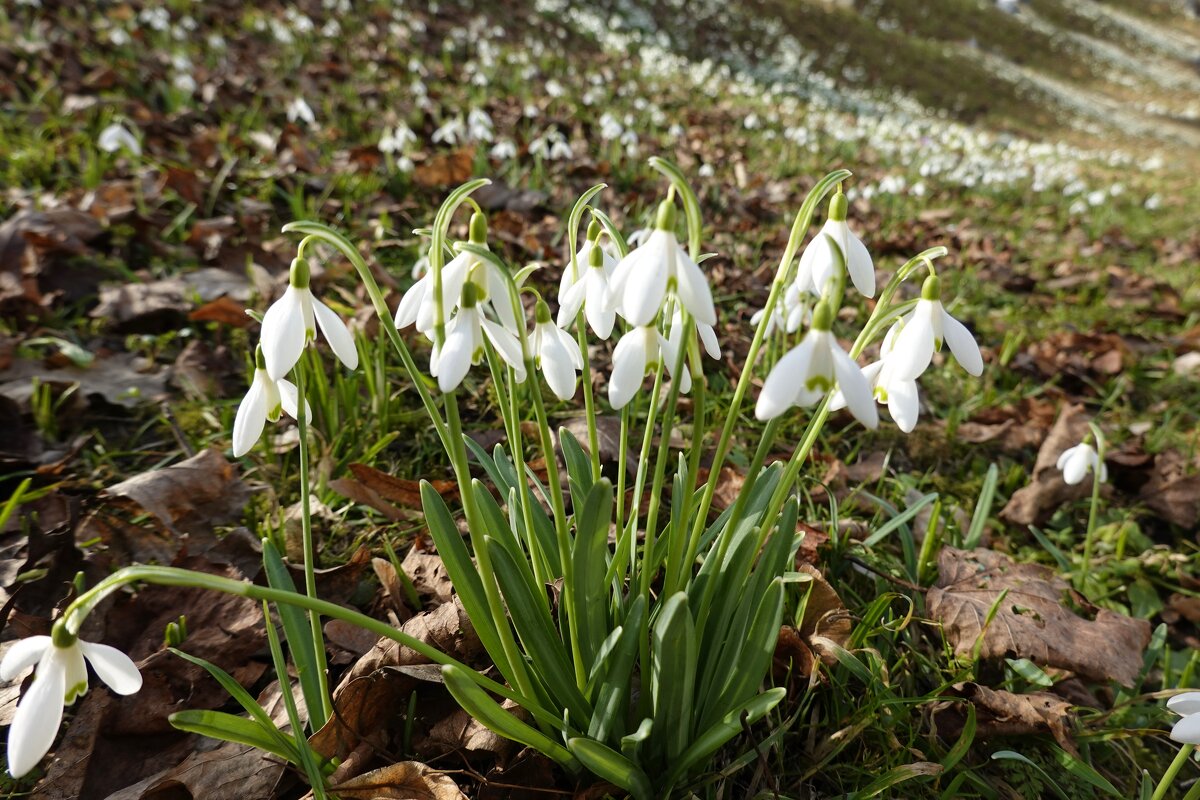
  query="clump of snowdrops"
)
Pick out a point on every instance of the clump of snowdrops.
point(657, 651)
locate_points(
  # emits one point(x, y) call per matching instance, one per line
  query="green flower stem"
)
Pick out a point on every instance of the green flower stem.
point(1089, 539)
point(310, 578)
point(617, 567)
point(639, 482)
point(174, 576)
point(1168, 778)
point(589, 402)
point(681, 554)
point(303, 750)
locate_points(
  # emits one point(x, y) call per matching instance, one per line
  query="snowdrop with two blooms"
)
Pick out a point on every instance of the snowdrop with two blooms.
point(812, 369)
point(264, 401)
point(591, 291)
point(1076, 462)
point(479, 126)
point(292, 322)
point(117, 137)
point(556, 354)
point(819, 264)
point(923, 330)
point(503, 150)
point(60, 679)
point(464, 346)
point(643, 278)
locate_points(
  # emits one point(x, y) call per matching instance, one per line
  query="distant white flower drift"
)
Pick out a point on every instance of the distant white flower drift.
point(814, 368)
point(292, 322)
point(659, 265)
point(557, 355)
point(591, 292)
point(1187, 729)
point(637, 353)
point(117, 137)
point(464, 345)
point(923, 331)
point(1076, 462)
point(819, 264)
point(300, 111)
point(59, 680)
point(264, 401)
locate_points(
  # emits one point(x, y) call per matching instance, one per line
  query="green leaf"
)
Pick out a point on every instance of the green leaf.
point(965, 740)
point(609, 712)
point(631, 744)
point(983, 508)
point(755, 657)
point(1084, 772)
point(900, 774)
point(673, 674)
point(246, 701)
point(707, 743)
point(589, 598)
point(1030, 672)
point(298, 633)
point(612, 767)
point(230, 728)
point(482, 707)
point(1012, 755)
point(579, 466)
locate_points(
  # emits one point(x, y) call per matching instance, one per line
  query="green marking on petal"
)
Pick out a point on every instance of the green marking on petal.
point(818, 382)
point(75, 692)
point(274, 413)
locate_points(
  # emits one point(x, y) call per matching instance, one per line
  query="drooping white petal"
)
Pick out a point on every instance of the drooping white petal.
point(571, 346)
point(645, 286)
point(1076, 466)
point(283, 334)
point(912, 349)
point(837, 400)
point(341, 341)
point(670, 353)
point(692, 288)
point(708, 337)
point(507, 345)
point(629, 367)
point(854, 386)
point(115, 668)
point(500, 299)
point(860, 265)
point(824, 262)
point(1187, 730)
point(454, 275)
point(556, 363)
point(599, 306)
point(22, 655)
point(570, 301)
point(411, 302)
point(455, 358)
point(75, 676)
point(250, 419)
point(904, 404)
point(962, 344)
point(289, 396)
point(1063, 457)
point(38, 716)
point(1186, 703)
point(804, 274)
point(784, 381)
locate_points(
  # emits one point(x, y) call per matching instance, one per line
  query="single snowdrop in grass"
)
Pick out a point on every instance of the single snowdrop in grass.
point(264, 401)
point(819, 265)
point(464, 345)
point(1076, 462)
point(292, 322)
point(636, 354)
point(397, 140)
point(117, 137)
point(643, 278)
point(59, 680)
point(300, 111)
point(592, 291)
point(556, 354)
point(503, 150)
point(813, 369)
point(925, 328)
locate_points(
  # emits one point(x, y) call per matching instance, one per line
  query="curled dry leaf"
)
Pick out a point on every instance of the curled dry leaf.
point(1035, 620)
point(1003, 713)
point(825, 622)
point(448, 169)
point(1173, 491)
point(121, 380)
point(407, 780)
point(1047, 491)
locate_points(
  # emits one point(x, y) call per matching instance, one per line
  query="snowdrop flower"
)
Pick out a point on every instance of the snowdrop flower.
point(60, 679)
point(639, 237)
point(1187, 729)
point(265, 399)
point(560, 148)
point(300, 111)
point(923, 330)
point(292, 322)
point(557, 355)
point(116, 137)
point(479, 126)
point(503, 150)
point(591, 291)
point(1077, 461)
point(464, 342)
point(813, 368)
point(776, 322)
point(706, 171)
point(643, 278)
point(707, 334)
point(450, 132)
point(637, 353)
point(396, 140)
point(819, 264)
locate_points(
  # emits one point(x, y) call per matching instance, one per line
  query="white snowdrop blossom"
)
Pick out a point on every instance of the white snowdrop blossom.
point(557, 355)
point(1075, 462)
point(450, 132)
point(117, 137)
point(643, 278)
point(397, 140)
point(1187, 729)
point(292, 322)
point(923, 330)
point(479, 126)
point(819, 264)
point(264, 401)
point(59, 680)
point(300, 111)
point(464, 345)
point(813, 368)
point(592, 291)
point(503, 150)
point(637, 353)
point(776, 322)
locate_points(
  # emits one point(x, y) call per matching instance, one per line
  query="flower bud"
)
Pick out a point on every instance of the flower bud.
point(838, 207)
point(822, 318)
point(665, 221)
point(932, 288)
point(594, 230)
point(299, 273)
point(478, 232)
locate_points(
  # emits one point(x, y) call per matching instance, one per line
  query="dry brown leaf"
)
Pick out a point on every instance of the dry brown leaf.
point(407, 780)
point(1003, 713)
point(402, 491)
point(1172, 492)
point(224, 310)
point(365, 710)
point(1034, 620)
point(446, 169)
point(459, 732)
point(121, 380)
point(428, 574)
point(1047, 491)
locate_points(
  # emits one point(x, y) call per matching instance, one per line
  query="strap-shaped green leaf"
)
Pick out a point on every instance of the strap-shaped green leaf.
point(231, 728)
point(482, 707)
point(755, 658)
point(298, 634)
point(609, 714)
point(589, 598)
point(538, 635)
point(707, 743)
point(579, 466)
point(673, 674)
point(613, 767)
